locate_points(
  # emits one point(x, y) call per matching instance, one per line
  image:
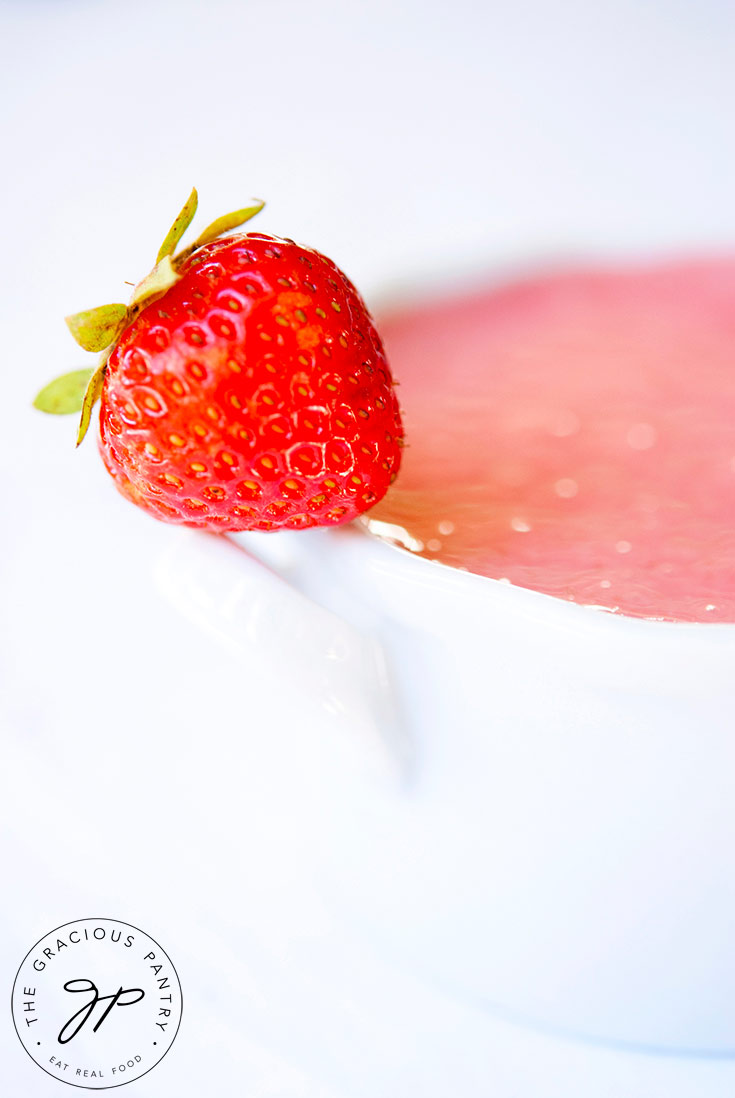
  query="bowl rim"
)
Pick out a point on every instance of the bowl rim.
point(383, 555)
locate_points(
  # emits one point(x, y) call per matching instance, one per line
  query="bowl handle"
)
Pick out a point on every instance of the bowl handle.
point(273, 630)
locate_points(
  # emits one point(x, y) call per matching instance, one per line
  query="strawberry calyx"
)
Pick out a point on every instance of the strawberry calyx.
point(99, 329)
point(95, 329)
point(183, 220)
point(92, 393)
point(64, 395)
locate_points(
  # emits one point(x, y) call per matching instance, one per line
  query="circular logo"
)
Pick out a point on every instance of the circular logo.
point(97, 1003)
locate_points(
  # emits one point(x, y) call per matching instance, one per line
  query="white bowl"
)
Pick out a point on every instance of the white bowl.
point(560, 843)
point(526, 801)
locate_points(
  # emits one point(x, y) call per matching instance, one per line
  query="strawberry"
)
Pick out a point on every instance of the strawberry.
point(245, 387)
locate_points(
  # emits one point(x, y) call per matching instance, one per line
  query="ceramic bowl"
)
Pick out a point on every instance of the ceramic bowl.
point(558, 838)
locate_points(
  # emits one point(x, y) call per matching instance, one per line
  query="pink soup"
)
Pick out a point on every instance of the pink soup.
point(575, 434)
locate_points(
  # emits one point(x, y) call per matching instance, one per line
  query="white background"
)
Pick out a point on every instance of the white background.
point(150, 773)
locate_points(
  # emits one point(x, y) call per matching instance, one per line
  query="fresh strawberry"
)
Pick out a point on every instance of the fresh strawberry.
point(244, 388)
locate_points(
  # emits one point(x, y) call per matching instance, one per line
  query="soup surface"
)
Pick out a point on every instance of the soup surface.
point(575, 434)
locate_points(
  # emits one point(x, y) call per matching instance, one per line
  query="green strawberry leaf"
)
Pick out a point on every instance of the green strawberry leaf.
point(95, 329)
point(64, 395)
point(161, 278)
point(179, 227)
point(94, 388)
point(228, 221)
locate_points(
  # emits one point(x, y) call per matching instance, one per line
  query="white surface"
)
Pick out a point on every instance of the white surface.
point(152, 772)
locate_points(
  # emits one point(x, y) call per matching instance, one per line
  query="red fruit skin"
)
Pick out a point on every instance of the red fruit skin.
point(255, 394)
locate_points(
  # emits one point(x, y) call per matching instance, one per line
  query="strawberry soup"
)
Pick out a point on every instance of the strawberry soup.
point(575, 434)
